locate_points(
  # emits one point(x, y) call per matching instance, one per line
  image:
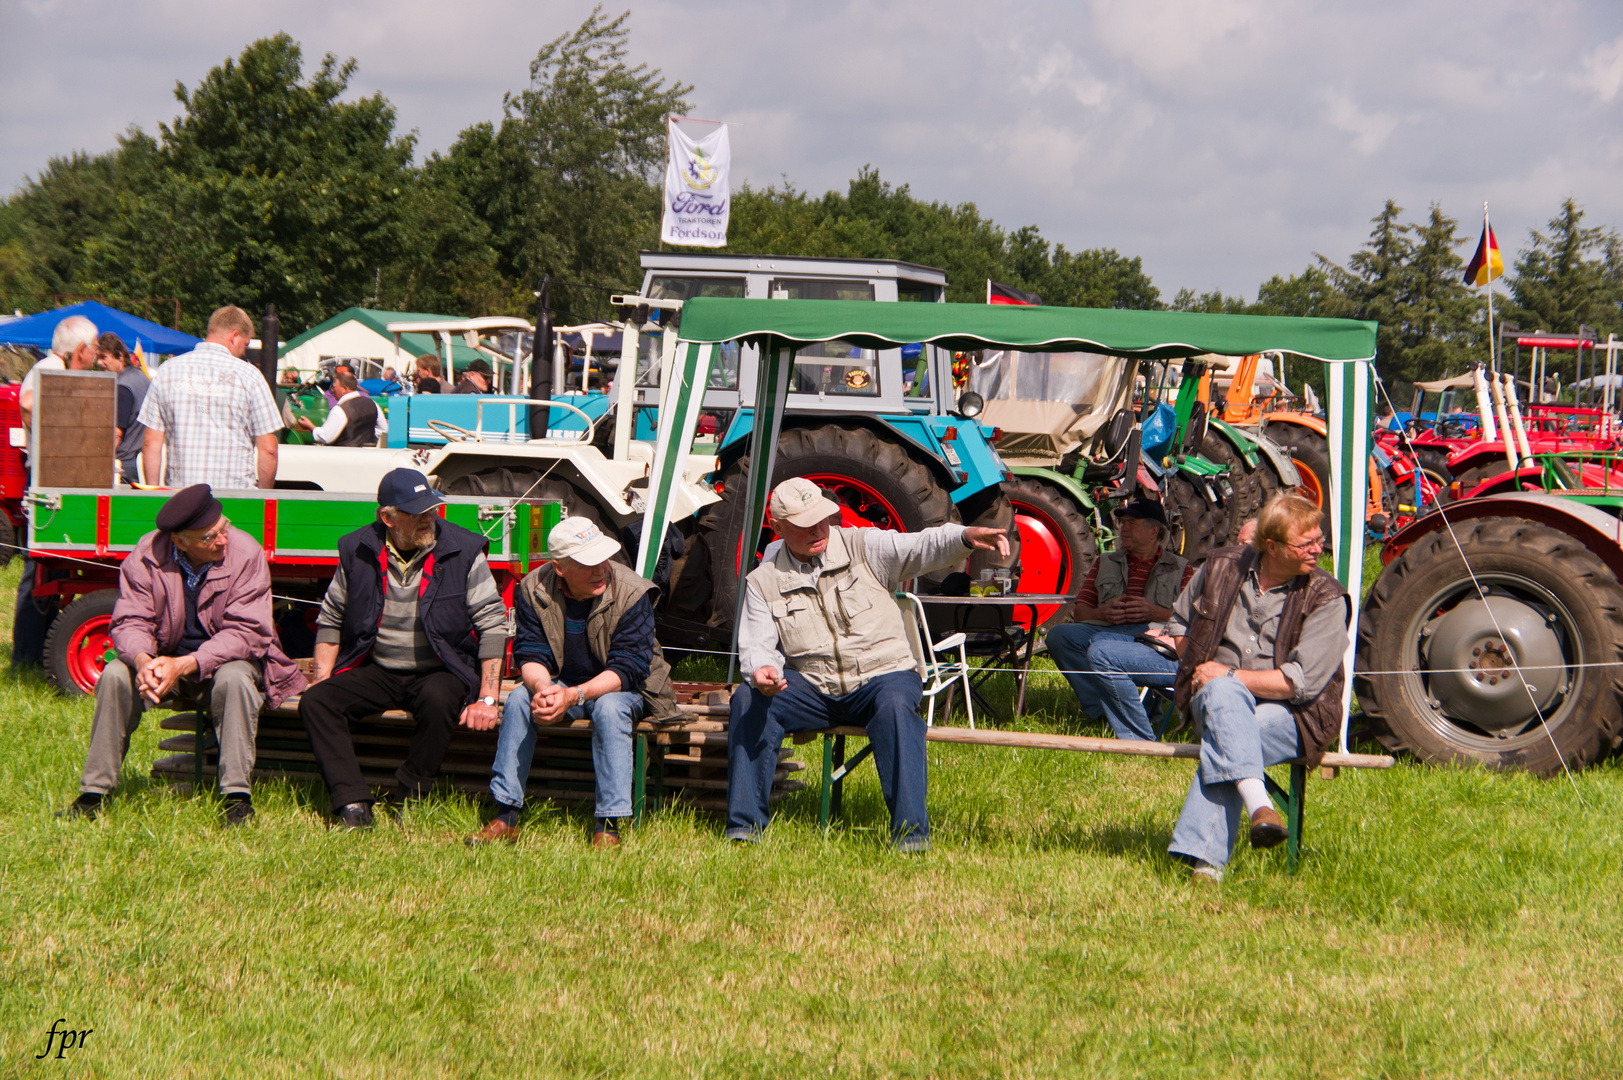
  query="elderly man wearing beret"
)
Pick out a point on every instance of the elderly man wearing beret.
point(194, 609)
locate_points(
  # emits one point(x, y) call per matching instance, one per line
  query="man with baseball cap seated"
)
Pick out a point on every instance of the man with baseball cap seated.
point(476, 378)
point(194, 610)
point(1124, 591)
point(412, 620)
point(586, 651)
point(823, 644)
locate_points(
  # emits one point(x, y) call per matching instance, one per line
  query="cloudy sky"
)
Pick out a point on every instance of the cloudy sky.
point(1222, 140)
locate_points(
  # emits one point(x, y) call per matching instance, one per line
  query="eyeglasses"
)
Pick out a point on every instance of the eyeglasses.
point(1306, 547)
point(214, 535)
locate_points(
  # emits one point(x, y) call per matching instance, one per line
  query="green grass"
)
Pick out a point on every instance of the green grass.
point(1444, 924)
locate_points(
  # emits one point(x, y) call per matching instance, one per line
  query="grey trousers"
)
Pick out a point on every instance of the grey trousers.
point(234, 703)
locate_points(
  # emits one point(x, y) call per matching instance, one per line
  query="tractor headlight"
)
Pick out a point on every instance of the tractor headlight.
point(970, 405)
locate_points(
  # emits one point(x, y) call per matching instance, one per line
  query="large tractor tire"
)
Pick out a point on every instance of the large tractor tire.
point(877, 482)
point(1438, 660)
point(8, 540)
point(1311, 453)
point(1434, 461)
point(1057, 543)
point(80, 642)
point(1198, 524)
point(1246, 485)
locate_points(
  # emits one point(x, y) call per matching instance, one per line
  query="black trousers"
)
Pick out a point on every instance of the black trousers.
point(434, 699)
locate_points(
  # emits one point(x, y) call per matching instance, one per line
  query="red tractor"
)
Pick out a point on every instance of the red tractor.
point(13, 477)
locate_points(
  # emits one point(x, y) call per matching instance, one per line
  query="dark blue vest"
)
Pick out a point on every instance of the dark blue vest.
point(442, 605)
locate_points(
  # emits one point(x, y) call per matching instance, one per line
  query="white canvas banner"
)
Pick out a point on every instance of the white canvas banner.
point(696, 193)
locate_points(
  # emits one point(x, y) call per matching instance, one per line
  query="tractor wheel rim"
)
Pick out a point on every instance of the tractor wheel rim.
point(1308, 483)
point(1045, 558)
point(1556, 690)
point(88, 648)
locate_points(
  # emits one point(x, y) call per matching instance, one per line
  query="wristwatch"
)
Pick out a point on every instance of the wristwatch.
point(1231, 672)
point(581, 690)
point(487, 700)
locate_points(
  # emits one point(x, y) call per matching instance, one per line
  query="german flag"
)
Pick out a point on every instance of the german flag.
point(1486, 263)
point(1005, 294)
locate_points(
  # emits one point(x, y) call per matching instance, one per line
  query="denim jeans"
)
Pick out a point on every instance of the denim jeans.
point(888, 706)
point(612, 716)
point(1239, 735)
point(1068, 645)
point(1120, 668)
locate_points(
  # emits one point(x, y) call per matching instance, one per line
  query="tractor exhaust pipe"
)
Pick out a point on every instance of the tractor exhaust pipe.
point(541, 362)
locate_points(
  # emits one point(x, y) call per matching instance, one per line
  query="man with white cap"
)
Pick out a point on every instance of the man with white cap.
point(822, 643)
point(586, 651)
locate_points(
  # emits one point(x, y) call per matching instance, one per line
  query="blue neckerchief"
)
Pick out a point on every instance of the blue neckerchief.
point(192, 576)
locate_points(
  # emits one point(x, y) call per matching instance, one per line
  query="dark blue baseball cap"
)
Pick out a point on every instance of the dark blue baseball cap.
point(408, 490)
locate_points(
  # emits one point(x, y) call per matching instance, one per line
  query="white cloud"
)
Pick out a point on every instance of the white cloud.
point(1369, 130)
point(1603, 70)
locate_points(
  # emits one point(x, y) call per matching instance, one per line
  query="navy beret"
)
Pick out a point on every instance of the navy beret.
point(190, 508)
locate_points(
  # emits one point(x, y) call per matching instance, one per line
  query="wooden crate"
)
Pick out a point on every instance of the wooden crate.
point(75, 428)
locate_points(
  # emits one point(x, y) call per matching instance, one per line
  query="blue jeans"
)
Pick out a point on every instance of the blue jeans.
point(1068, 645)
point(1239, 735)
point(888, 706)
point(1120, 668)
point(612, 717)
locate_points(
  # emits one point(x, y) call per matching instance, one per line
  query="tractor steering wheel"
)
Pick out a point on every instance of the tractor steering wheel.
point(452, 433)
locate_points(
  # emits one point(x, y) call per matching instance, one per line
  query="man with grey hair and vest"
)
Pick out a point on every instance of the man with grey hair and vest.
point(585, 649)
point(1261, 635)
point(822, 644)
point(73, 348)
point(1125, 590)
point(412, 620)
point(355, 421)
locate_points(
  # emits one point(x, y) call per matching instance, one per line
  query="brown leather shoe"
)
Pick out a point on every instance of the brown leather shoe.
point(1267, 828)
point(606, 834)
point(496, 830)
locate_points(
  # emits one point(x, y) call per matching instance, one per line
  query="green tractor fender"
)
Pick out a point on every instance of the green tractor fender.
point(1067, 484)
point(1244, 444)
point(1259, 443)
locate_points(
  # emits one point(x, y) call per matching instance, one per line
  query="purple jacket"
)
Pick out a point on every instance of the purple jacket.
point(234, 606)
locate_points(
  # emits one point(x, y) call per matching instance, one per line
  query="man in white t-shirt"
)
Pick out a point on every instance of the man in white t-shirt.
point(73, 347)
point(213, 413)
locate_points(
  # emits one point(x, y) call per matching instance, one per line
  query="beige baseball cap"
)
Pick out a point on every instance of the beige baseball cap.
point(800, 502)
point(579, 540)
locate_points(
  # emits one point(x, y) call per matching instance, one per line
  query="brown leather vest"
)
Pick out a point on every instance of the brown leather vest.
point(1317, 721)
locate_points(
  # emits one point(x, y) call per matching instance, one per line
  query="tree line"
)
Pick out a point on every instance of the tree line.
point(270, 188)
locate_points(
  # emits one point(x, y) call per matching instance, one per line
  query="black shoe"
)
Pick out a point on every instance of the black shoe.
point(238, 811)
point(355, 815)
point(86, 806)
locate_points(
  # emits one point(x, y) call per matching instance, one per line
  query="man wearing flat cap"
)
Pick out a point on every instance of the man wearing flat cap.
point(822, 643)
point(194, 610)
point(585, 648)
point(1124, 591)
point(412, 620)
point(476, 378)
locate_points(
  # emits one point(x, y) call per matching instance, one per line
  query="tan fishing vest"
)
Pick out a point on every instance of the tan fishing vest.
point(1161, 589)
point(842, 629)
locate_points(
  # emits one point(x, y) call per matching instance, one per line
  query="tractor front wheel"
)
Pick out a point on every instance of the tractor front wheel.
point(80, 643)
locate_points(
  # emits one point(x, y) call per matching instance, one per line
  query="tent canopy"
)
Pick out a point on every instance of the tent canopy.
point(1154, 335)
point(36, 330)
point(1458, 382)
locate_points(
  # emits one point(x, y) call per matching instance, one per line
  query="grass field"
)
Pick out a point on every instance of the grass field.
point(1444, 924)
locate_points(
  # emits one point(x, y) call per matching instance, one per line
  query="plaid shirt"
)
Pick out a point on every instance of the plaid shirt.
point(210, 406)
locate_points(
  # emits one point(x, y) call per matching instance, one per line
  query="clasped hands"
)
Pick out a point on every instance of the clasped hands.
point(1125, 610)
point(156, 676)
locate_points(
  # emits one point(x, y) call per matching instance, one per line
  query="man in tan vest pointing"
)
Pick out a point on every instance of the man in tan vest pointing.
point(822, 644)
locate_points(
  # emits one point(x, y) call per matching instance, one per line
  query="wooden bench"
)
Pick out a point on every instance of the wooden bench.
point(1292, 799)
point(682, 761)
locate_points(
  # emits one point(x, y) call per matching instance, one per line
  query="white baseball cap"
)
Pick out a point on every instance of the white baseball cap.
point(800, 502)
point(580, 541)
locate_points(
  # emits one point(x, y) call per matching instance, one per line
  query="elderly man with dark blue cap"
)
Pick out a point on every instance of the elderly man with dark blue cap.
point(193, 611)
point(412, 620)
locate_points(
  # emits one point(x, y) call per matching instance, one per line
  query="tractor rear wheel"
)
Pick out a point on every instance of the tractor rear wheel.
point(876, 481)
point(80, 642)
point(1443, 648)
point(1057, 543)
point(1198, 523)
point(1246, 484)
point(8, 540)
point(506, 482)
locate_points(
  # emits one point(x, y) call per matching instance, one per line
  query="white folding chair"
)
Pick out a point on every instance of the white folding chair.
point(935, 659)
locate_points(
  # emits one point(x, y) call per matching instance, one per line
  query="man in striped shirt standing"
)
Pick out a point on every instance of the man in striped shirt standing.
point(412, 620)
point(1125, 591)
